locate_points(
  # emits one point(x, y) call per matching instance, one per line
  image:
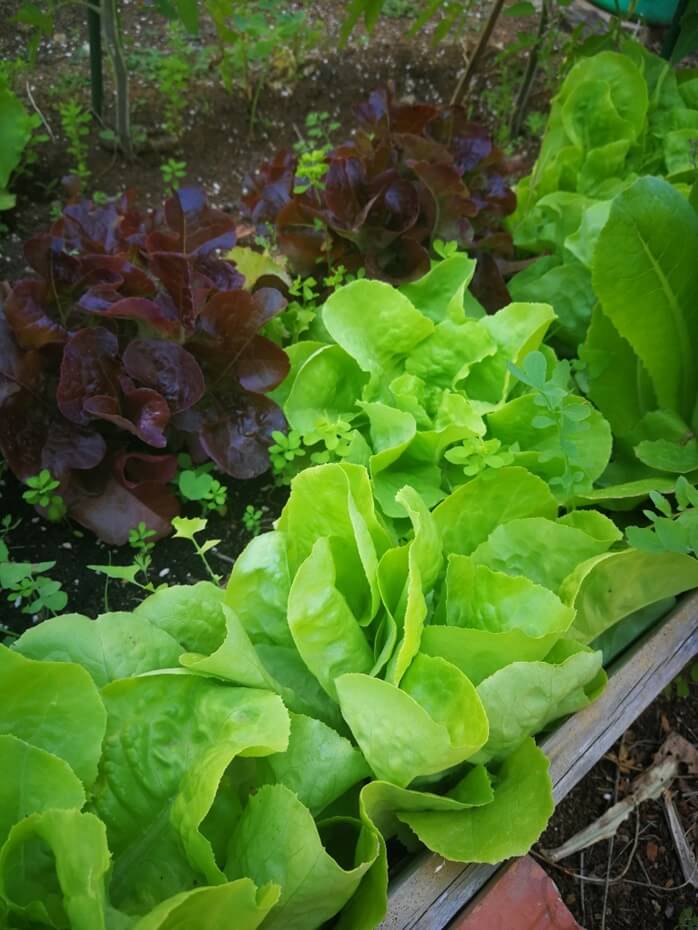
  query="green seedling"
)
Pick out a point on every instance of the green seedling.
point(40, 493)
point(173, 173)
point(252, 519)
point(187, 528)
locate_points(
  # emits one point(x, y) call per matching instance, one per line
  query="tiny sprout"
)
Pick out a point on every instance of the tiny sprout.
point(40, 494)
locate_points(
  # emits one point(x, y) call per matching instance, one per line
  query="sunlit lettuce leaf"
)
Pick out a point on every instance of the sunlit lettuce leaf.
point(55, 706)
point(468, 516)
point(608, 587)
point(191, 614)
point(522, 800)
point(524, 697)
point(277, 840)
point(115, 645)
point(169, 739)
point(33, 781)
point(218, 907)
point(434, 720)
point(53, 868)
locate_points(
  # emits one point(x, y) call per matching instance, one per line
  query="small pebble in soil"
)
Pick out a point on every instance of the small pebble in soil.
point(163, 573)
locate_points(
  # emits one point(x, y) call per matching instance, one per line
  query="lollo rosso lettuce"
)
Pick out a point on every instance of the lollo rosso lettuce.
point(412, 174)
point(360, 679)
point(134, 339)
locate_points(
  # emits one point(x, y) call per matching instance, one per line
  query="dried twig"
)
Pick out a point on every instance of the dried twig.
point(651, 784)
point(689, 866)
point(41, 115)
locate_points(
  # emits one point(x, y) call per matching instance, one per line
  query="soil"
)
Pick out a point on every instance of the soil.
point(647, 890)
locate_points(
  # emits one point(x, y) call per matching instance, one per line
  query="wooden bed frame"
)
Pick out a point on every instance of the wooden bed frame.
point(430, 891)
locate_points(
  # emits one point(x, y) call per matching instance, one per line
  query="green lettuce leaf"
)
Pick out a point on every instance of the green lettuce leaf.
point(522, 800)
point(240, 904)
point(115, 645)
point(55, 706)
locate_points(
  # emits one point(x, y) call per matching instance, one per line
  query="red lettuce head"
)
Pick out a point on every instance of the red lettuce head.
point(132, 340)
point(411, 174)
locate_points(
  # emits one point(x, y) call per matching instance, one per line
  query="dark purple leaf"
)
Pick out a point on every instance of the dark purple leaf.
point(31, 316)
point(237, 438)
point(90, 368)
point(167, 368)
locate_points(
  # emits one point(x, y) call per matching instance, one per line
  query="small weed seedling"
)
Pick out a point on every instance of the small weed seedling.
point(187, 528)
point(688, 919)
point(312, 149)
point(40, 494)
point(252, 519)
point(670, 531)
point(28, 587)
point(283, 454)
point(196, 483)
point(173, 173)
point(76, 126)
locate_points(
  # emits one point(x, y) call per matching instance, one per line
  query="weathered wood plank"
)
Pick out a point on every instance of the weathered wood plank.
point(431, 891)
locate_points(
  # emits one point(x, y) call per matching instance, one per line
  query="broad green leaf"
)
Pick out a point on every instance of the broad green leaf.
point(53, 868)
point(55, 706)
point(523, 698)
point(277, 840)
point(567, 288)
point(302, 692)
point(627, 495)
point(33, 781)
point(433, 721)
point(191, 614)
point(494, 619)
point(522, 800)
point(169, 739)
point(298, 355)
point(337, 501)
point(517, 330)
point(594, 524)
point(240, 904)
point(643, 273)
point(375, 324)
point(439, 294)
point(326, 388)
point(115, 645)
point(447, 355)
point(326, 632)
point(516, 547)
point(607, 588)
point(235, 660)
point(380, 801)
point(495, 496)
point(258, 589)
point(319, 765)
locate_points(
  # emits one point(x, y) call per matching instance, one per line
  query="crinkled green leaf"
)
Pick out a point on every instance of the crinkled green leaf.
point(524, 697)
point(169, 739)
point(388, 327)
point(327, 634)
point(439, 293)
point(608, 587)
point(509, 826)
point(517, 548)
point(191, 614)
point(115, 645)
point(258, 589)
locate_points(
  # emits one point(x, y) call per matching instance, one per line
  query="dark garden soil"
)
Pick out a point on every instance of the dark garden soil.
point(646, 890)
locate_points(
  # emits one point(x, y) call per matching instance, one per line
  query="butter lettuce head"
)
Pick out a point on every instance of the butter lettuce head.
point(239, 757)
